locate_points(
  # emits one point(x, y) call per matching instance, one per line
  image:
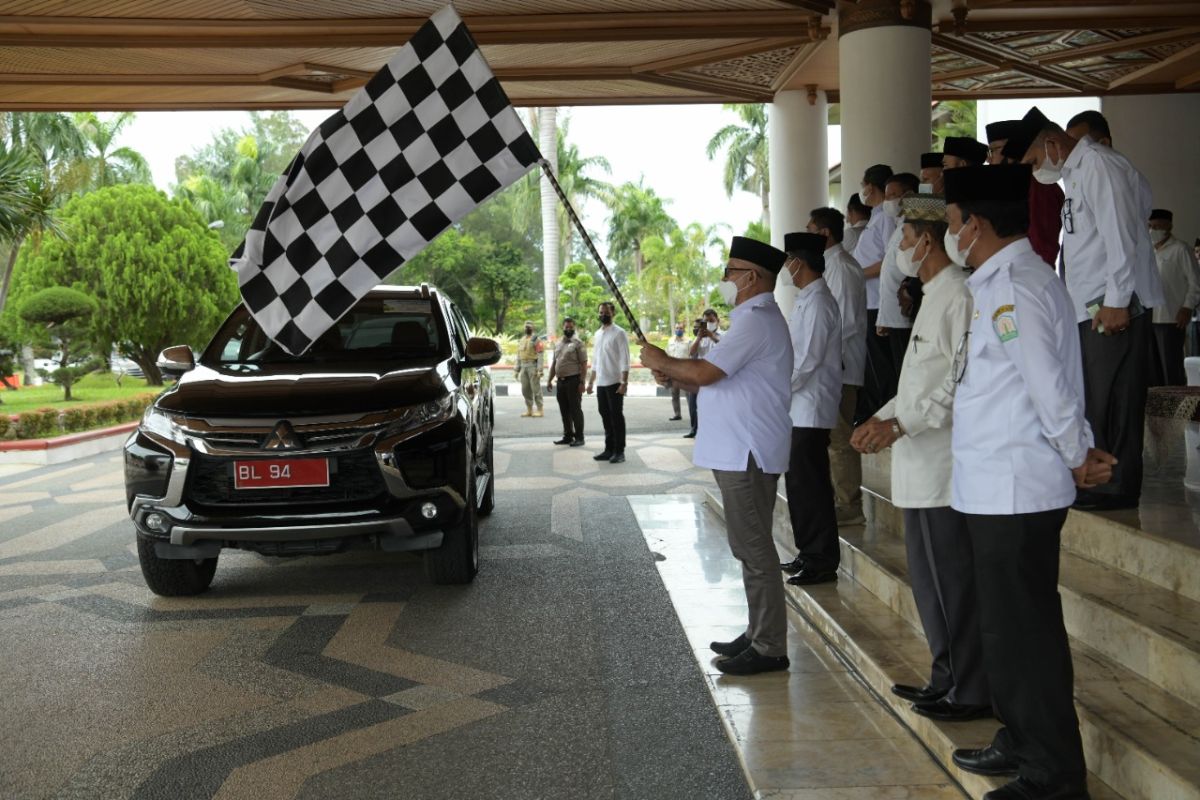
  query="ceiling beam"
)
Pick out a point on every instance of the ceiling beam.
point(973, 24)
point(1151, 69)
point(1120, 45)
point(18, 31)
point(743, 93)
point(1188, 81)
point(821, 7)
point(803, 56)
point(715, 55)
point(1004, 59)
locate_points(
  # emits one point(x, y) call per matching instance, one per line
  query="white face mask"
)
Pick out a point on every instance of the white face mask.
point(892, 208)
point(905, 262)
point(712, 326)
point(729, 292)
point(957, 256)
point(1158, 236)
point(1050, 171)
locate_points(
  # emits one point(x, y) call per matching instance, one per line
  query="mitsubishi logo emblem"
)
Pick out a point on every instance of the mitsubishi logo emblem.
point(282, 438)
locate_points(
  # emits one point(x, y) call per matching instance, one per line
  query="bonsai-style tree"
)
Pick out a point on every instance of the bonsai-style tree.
point(66, 314)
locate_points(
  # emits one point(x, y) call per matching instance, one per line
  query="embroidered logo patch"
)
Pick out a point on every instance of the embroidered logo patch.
point(1004, 321)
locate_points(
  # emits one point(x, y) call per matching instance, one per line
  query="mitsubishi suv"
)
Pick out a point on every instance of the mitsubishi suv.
point(379, 436)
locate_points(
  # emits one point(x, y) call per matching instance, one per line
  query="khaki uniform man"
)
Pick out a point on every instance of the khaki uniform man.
point(529, 370)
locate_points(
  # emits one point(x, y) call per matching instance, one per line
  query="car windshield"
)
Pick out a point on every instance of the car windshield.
point(376, 328)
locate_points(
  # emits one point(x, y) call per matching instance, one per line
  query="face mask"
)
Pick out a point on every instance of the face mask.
point(905, 262)
point(1158, 236)
point(712, 326)
point(568, 333)
point(1050, 171)
point(605, 319)
point(529, 331)
point(957, 256)
point(891, 208)
point(679, 331)
point(729, 292)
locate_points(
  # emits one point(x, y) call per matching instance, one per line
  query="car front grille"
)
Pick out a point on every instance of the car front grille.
point(353, 478)
point(225, 438)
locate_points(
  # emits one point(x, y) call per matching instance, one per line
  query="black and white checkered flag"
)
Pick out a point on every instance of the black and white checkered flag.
point(429, 138)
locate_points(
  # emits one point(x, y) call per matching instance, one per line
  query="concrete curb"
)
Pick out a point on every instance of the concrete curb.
point(61, 449)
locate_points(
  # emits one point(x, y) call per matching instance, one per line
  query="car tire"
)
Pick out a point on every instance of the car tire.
point(488, 501)
point(456, 562)
point(171, 577)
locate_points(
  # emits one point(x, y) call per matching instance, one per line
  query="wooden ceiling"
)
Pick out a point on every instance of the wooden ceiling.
point(176, 54)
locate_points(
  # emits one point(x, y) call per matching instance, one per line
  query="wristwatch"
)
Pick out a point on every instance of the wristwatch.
point(897, 431)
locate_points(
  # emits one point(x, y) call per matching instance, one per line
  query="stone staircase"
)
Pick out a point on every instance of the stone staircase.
point(1131, 603)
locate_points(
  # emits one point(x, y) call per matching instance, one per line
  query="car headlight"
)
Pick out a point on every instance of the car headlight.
point(411, 417)
point(165, 424)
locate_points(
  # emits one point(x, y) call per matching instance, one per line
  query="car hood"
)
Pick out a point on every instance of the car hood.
point(283, 392)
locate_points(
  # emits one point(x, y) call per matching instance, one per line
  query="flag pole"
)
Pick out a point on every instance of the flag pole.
point(608, 278)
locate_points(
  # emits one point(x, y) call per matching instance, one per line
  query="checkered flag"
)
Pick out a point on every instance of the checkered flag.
point(429, 138)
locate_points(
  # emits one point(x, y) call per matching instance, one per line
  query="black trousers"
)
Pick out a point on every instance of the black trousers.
point(897, 342)
point(1166, 366)
point(1025, 649)
point(810, 498)
point(940, 568)
point(570, 406)
point(880, 372)
point(693, 415)
point(1114, 378)
point(612, 414)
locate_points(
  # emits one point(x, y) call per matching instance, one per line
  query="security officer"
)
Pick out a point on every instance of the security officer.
point(569, 365)
point(744, 386)
point(1021, 446)
point(529, 369)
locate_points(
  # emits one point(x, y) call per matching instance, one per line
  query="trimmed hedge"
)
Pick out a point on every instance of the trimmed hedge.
point(47, 422)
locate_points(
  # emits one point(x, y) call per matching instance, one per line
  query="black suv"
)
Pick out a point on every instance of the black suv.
point(379, 436)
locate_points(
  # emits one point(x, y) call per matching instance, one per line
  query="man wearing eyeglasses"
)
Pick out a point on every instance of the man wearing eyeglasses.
point(1021, 446)
point(745, 395)
point(1045, 199)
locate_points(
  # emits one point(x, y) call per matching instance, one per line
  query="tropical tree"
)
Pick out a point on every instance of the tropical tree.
point(954, 118)
point(64, 313)
point(637, 213)
point(680, 271)
point(580, 295)
point(747, 154)
point(551, 233)
point(105, 164)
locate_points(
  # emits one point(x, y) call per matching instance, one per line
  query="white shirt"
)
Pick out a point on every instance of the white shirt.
point(1019, 426)
point(707, 343)
point(1180, 279)
point(679, 348)
point(610, 355)
point(848, 286)
point(746, 412)
point(924, 401)
point(1106, 247)
point(816, 332)
point(851, 234)
point(890, 278)
point(872, 246)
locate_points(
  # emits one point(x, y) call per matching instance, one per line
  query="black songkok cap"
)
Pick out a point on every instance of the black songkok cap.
point(931, 160)
point(756, 252)
point(966, 149)
point(1003, 183)
point(1003, 130)
point(809, 246)
point(1021, 137)
point(1162, 213)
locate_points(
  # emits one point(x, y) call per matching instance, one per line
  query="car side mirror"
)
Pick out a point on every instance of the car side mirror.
point(481, 352)
point(174, 361)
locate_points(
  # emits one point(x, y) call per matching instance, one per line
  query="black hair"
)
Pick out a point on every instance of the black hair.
point(831, 219)
point(610, 305)
point(878, 175)
point(856, 205)
point(815, 261)
point(910, 182)
point(708, 311)
point(936, 230)
point(1007, 218)
point(1095, 121)
point(568, 319)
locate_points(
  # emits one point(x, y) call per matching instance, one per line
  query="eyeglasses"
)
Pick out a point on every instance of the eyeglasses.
point(958, 367)
point(1067, 217)
point(734, 269)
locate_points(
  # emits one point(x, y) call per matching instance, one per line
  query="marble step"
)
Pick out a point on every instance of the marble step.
point(1137, 738)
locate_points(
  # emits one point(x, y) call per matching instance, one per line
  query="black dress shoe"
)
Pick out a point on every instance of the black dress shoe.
point(730, 649)
point(1025, 789)
point(750, 662)
point(986, 761)
point(793, 566)
point(577, 443)
point(674, 419)
point(945, 711)
point(690, 435)
point(605, 456)
point(618, 458)
point(810, 575)
point(924, 694)
point(564, 440)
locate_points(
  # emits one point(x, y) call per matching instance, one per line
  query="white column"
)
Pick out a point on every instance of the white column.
point(884, 78)
point(1142, 126)
point(799, 169)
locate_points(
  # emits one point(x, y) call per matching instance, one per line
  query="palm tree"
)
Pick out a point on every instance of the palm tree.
point(747, 157)
point(637, 213)
point(954, 118)
point(577, 183)
point(105, 164)
point(548, 141)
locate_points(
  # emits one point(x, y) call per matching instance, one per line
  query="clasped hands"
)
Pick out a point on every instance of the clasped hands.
point(873, 435)
point(1097, 468)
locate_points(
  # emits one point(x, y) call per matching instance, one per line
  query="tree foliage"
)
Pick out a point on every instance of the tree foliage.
point(747, 153)
point(637, 213)
point(65, 314)
point(103, 164)
point(954, 118)
point(160, 276)
point(579, 295)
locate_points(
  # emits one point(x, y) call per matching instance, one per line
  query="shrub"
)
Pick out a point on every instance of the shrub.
point(5, 424)
point(38, 424)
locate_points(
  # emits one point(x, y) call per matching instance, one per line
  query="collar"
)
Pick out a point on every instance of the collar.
point(760, 299)
point(831, 252)
point(1002, 258)
point(940, 278)
point(1076, 158)
point(808, 291)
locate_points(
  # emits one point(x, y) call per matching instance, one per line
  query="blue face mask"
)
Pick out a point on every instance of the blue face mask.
point(679, 331)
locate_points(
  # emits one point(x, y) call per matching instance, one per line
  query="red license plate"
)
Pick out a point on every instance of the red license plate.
point(275, 473)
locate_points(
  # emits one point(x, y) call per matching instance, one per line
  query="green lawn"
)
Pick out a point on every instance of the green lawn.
point(94, 388)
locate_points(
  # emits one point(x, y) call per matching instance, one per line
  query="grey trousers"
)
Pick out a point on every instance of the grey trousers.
point(941, 568)
point(845, 463)
point(749, 499)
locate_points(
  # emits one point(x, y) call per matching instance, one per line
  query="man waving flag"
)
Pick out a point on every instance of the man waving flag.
point(428, 139)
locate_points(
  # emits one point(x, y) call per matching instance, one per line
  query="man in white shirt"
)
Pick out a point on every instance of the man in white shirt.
point(1021, 446)
point(744, 386)
point(848, 286)
point(869, 252)
point(857, 217)
point(916, 425)
point(892, 324)
point(678, 347)
point(610, 378)
point(815, 326)
point(1112, 277)
point(1181, 286)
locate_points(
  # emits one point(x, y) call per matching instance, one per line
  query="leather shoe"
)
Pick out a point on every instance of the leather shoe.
point(945, 711)
point(563, 440)
point(793, 566)
point(690, 435)
point(810, 575)
point(913, 694)
point(673, 419)
point(605, 456)
point(751, 662)
point(618, 458)
point(577, 443)
point(730, 649)
point(986, 761)
point(1025, 789)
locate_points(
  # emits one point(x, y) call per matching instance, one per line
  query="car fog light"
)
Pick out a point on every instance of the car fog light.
point(429, 511)
point(156, 522)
